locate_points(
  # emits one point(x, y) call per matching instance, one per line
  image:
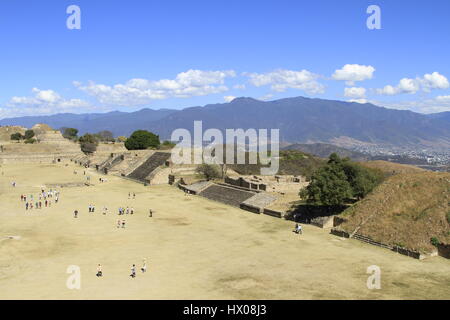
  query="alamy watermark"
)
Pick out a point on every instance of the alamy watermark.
point(74, 20)
point(239, 145)
point(74, 280)
point(374, 280)
point(374, 20)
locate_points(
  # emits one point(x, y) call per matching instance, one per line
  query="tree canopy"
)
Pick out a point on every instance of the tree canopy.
point(142, 139)
point(88, 143)
point(29, 134)
point(340, 180)
point(16, 136)
point(69, 133)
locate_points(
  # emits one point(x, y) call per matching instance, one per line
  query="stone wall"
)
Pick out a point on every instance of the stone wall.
point(250, 208)
point(241, 182)
point(339, 233)
point(273, 213)
point(323, 222)
point(407, 252)
point(34, 158)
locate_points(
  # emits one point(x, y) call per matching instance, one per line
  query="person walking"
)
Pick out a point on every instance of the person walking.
point(99, 271)
point(144, 266)
point(133, 271)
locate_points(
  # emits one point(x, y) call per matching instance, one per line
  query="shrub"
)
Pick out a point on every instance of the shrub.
point(30, 141)
point(435, 241)
point(209, 171)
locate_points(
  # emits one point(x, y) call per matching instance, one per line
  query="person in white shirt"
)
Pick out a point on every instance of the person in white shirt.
point(144, 266)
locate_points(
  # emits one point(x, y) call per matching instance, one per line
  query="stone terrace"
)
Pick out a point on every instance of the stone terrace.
point(228, 195)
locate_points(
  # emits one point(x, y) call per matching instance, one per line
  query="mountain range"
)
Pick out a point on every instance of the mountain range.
point(300, 120)
point(323, 150)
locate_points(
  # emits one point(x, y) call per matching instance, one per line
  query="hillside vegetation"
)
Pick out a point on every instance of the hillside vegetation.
point(407, 210)
point(324, 150)
point(391, 168)
point(292, 162)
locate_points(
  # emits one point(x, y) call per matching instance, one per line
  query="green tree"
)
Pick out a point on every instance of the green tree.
point(362, 180)
point(88, 143)
point(142, 139)
point(29, 134)
point(16, 136)
point(70, 133)
point(328, 186)
point(339, 180)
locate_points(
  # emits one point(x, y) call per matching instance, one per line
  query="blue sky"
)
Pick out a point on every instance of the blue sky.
point(174, 54)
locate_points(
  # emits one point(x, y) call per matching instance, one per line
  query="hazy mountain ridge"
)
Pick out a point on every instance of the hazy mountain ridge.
point(323, 150)
point(300, 120)
point(120, 123)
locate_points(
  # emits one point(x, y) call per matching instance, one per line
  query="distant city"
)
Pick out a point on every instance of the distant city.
point(432, 159)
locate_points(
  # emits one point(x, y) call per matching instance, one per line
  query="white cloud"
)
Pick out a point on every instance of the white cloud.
point(407, 85)
point(229, 98)
point(43, 102)
point(443, 98)
point(142, 91)
point(266, 97)
point(362, 101)
point(432, 105)
point(435, 81)
point(239, 86)
point(353, 72)
point(281, 79)
point(355, 92)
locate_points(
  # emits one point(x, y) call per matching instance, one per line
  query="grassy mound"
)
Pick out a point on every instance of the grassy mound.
point(391, 168)
point(407, 210)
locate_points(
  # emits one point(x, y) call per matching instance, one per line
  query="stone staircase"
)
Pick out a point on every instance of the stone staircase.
point(110, 163)
point(227, 195)
point(149, 165)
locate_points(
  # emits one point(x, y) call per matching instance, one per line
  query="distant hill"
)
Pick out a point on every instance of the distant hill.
point(406, 210)
point(120, 123)
point(323, 150)
point(441, 115)
point(300, 120)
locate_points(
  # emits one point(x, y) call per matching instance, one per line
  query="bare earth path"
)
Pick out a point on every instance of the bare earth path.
point(195, 248)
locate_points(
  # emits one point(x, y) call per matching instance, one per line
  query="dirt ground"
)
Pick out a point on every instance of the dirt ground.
point(195, 248)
